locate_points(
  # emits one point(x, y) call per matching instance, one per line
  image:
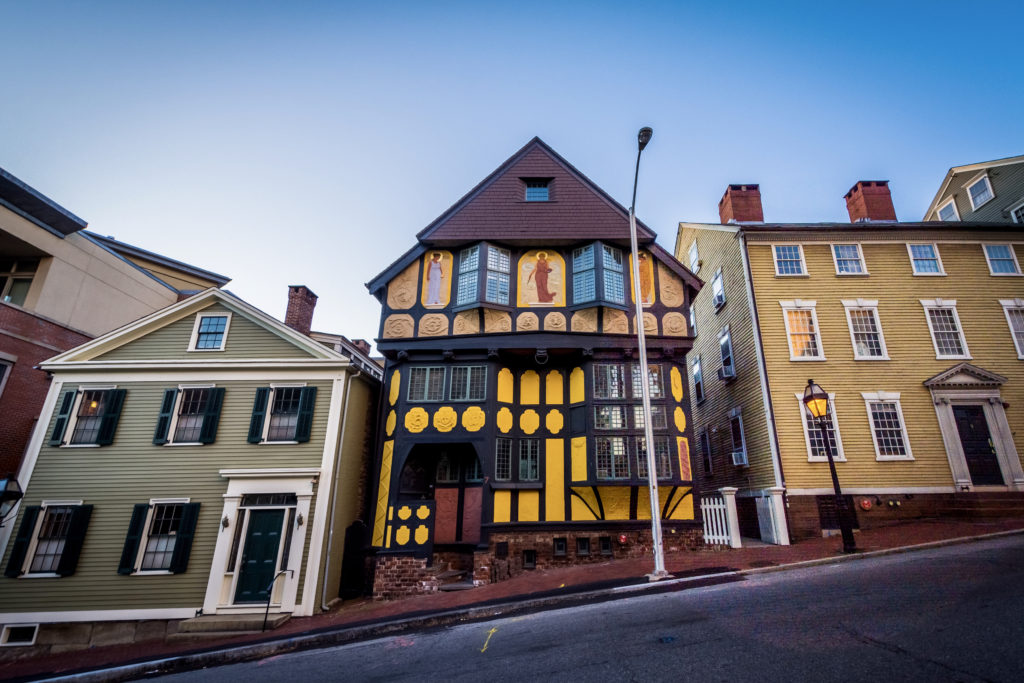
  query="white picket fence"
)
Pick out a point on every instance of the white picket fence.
point(721, 524)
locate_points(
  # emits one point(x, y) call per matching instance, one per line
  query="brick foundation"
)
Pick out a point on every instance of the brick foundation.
point(73, 636)
point(397, 576)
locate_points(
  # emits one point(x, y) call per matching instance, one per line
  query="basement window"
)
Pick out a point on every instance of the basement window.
point(529, 559)
point(606, 545)
point(583, 547)
point(559, 549)
point(19, 634)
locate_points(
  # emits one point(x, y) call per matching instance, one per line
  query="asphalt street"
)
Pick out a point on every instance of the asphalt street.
point(948, 614)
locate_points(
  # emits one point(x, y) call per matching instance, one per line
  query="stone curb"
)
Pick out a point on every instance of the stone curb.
point(344, 635)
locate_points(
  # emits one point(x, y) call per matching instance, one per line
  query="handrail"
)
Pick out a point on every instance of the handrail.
point(270, 588)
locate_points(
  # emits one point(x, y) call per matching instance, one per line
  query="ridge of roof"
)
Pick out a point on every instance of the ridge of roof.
point(123, 248)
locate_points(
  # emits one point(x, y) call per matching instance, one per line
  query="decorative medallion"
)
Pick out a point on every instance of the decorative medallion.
point(389, 426)
point(615, 321)
point(677, 384)
point(497, 321)
point(434, 325)
point(473, 418)
point(402, 535)
point(423, 511)
point(504, 420)
point(404, 512)
point(467, 322)
point(650, 324)
point(527, 322)
point(674, 324)
point(398, 326)
point(680, 419)
point(554, 322)
point(402, 289)
point(396, 382)
point(529, 421)
point(672, 294)
point(445, 419)
point(416, 420)
point(421, 534)
point(554, 421)
point(585, 320)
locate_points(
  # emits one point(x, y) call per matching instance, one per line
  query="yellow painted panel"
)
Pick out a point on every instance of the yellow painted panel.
point(580, 509)
point(396, 383)
point(685, 508)
point(579, 458)
point(389, 427)
point(554, 421)
point(683, 447)
point(502, 506)
point(383, 488)
point(437, 279)
point(402, 535)
point(416, 420)
point(580, 512)
point(554, 480)
point(643, 504)
point(529, 388)
point(679, 417)
point(505, 385)
point(504, 420)
point(529, 421)
point(529, 506)
point(577, 390)
point(616, 501)
point(554, 388)
point(445, 419)
point(421, 534)
point(677, 384)
point(474, 418)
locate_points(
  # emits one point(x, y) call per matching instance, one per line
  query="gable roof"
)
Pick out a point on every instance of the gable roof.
point(1008, 161)
point(85, 354)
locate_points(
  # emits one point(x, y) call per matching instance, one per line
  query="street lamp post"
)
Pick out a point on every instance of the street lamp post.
point(816, 400)
point(643, 137)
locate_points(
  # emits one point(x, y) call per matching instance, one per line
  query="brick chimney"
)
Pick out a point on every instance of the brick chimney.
point(301, 302)
point(740, 204)
point(362, 345)
point(870, 200)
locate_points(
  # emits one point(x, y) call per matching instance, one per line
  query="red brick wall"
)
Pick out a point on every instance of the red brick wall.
point(32, 340)
point(741, 203)
point(870, 199)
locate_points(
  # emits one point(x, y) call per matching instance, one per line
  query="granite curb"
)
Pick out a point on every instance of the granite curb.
point(342, 635)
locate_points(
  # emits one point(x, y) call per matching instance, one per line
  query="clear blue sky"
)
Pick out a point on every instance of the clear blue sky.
point(307, 142)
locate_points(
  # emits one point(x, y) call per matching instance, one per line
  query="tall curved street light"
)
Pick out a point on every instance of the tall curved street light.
point(816, 400)
point(643, 137)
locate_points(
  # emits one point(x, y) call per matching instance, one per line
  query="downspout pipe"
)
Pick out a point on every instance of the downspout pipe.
point(334, 485)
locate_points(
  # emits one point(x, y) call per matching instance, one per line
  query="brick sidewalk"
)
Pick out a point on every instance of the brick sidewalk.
point(523, 587)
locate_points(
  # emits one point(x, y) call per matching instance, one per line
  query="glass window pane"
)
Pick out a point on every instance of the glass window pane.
point(946, 332)
point(53, 532)
point(17, 292)
point(614, 290)
point(191, 408)
point(90, 414)
point(803, 337)
point(211, 331)
point(885, 421)
point(787, 260)
point(284, 413)
point(503, 459)
point(848, 258)
point(947, 212)
point(612, 259)
point(867, 340)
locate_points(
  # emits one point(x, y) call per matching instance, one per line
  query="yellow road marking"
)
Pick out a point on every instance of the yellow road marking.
point(487, 642)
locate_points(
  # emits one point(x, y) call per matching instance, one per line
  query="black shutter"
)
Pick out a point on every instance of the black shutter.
point(23, 539)
point(163, 422)
point(80, 515)
point(211, 417)
point(303, 426)
point(186, 531)
point(108, 424)
point(259, 413)
point(62, 418)
point(136, 529)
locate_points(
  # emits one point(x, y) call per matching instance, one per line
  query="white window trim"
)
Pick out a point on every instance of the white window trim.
point(803, 305)
point(1013, 254)
point(1008, 304)
point(5, 635)
point(865, 305)
point(981, 177)
point(938, 259)
point(721, 278)
point(840, 455)
point(174, 415)
point(803, 261)
point(928, 304)
point(886, 397)
point(31, 552)
point(694, 263)
point(69, 430)
point(8, 366)
point(195, 331)
point(144, 538)
point(274, 386)
point(1018, 205)
point(725, 333)
point(940, 207)
point(703, 385)
point(860, 255)
point(737, 414)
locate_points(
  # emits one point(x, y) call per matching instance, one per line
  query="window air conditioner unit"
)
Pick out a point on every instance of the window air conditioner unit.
point(719, 300)
point(726, 373)
point(739, 458)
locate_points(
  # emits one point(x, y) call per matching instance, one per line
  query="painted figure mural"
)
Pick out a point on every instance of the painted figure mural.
point(541, 279)
point(437, 282)
point(646, 279)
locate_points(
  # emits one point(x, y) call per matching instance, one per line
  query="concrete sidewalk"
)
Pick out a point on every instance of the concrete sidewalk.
point(531, 591)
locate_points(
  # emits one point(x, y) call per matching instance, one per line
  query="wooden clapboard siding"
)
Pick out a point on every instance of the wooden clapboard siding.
point(1007, 186)
point(718, 247)
point(133, 470)
point(245, 339)
point(907, 337)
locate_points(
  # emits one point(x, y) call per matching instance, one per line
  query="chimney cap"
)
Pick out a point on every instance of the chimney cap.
point(860, 184)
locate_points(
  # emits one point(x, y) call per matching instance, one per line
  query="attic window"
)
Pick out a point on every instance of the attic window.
point(537, 189)
point(210, 332)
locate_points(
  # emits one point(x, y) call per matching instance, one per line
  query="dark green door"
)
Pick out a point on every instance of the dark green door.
point(259, 556)
point(982, 462)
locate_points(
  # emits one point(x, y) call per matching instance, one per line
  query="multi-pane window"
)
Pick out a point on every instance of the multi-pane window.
point(16, 279)
point(1014, 310)
point(718, 289)
point(944, 324)
point(498, 269)
point(469, 383)
point(53, 533)
point(210, 332)
point(887, 429)
point(426, 384)
point(584, 275)
point(654, 380)
point(529, 459)
point(739, 444)
point(537, 189)
point(658, 417)
point(469, 264)
point(284, 413)
point(694, 257)
point(503, 459)
point(89, 417)
point(662, 457)
point(725, 348)
point(608, 381)
point(191, 411)
point(165, 522)
point(705, 452)
point(789, 260)
point(614, 284)
point(612, 461)
point(698, 380)
point(802, 329)
point(812, 432)
point(925, 259)
point(948, 212)
point(1001, 259)
point(865, 331)
point(693, 322)
point(609, 417)
point(980, 192)
point(849, 260)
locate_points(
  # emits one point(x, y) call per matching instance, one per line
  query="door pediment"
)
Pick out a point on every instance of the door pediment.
point(965, 376)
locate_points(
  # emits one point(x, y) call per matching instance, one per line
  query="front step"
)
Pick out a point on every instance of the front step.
point(457, 586)
point(232, 624)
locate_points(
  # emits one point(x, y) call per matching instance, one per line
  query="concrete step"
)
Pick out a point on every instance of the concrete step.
point(451, 574)
point(231, 623)
point(207, 635)
point(458, 586)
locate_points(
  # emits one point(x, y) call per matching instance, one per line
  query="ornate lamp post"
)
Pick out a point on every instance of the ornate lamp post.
point(643, 137)
point(816, 400)
point(10, 494)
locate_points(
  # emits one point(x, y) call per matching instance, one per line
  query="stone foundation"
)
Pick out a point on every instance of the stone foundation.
point(69, 637)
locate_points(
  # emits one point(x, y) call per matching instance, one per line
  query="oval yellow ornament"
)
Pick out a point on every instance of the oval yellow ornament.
point(680, 419)
point(677, 384)
point(554, 421)
point(389, 426)
point(504, 420)
point(416, 420)
point(529, 421)
point(445, 419)
point(396, 381)
point(473, 418)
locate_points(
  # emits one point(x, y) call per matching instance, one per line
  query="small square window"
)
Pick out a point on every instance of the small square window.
point(469, 383)
point(608, 381)
point(426, 384)
point(583, 547)
point(501, 550)
point(538, 189)
point(210, 332)
point(15, 634)
point(559, 547)
point(529, 559)
point(947, 212)
point(606, 545)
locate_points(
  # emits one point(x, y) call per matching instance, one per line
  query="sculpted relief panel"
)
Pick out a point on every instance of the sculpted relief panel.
point(585, 320)
point(672, 294)
point(402, 290)
point(615, 321)
point(434, 325)
point(497, 321)
point(674, 324)
point(467, 322)
point(527, 322)
point(398, 326)
point(554, 322)
point(646, 279)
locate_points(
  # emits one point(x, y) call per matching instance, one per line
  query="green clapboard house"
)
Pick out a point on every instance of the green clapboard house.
point(184, 461)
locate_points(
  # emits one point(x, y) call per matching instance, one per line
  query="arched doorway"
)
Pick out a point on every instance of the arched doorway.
point(451, 475)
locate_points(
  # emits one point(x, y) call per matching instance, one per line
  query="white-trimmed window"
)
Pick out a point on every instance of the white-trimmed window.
point(612, 460)
point(88, 416)
point(16, 280)
point(849, 259)
point(1017, 213)
point(888, 429)
point(189, 414)
point(725, 349)
point(694, 258)
point(980, 192)
point(925, 259)
point(718, 289)
point(1002, 259)
point(865, 329)
point(739, 441)
point(282, 413)
point(49, 539)
point(469, 383)
point(698, 380)
point(1014, 310)
point(7, 365)
point(789, 259)
point(210, 332)
point(947, 211)
point(812, 432)
point(802, 330)
point(944, 325)
point(426, 384)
